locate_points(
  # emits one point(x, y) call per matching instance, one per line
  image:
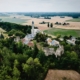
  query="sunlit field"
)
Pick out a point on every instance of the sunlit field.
point(63, 32)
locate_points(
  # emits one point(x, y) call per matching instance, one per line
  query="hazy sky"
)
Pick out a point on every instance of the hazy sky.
point(39, 5)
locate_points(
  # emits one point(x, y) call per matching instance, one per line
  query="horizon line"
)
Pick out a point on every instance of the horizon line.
point(38, 12)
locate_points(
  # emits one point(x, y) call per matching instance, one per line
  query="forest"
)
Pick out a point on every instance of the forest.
point(7, 26)
point(52, 14)
point(21, 62)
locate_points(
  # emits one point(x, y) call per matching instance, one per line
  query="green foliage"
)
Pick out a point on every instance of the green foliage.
point(16, 73)
point(32, 65)
point(19, 33)
point(48, 24)
point(74, 20)
point(12, 32)
point(16, 63)
point(35, 50)
point(9, 26)
point(16, 33)
point(1, 36)
point(58, 36)
point(51, 25)
point(44, 44)
point(40, 37)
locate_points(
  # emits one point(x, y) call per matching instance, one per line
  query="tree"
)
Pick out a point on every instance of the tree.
point(41, 56)
point(48, 24)
point(16, 73)
point(51, 25)
point(35, 51)
point(2, 36)
point(16, 63)
point(33, 69)
point(12, 32)
point(4, 73)
point(19, 33)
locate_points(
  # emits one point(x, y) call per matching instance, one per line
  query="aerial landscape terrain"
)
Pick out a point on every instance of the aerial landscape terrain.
point(39, 40)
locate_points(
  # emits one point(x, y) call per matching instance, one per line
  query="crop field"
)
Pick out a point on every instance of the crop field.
point(63, 32)
point(74, 20)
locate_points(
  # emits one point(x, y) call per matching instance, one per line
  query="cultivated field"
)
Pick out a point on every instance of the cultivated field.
point(12, 19)
point(27, 20)
point(63, 32)
point(62, 75)
point(73, 25)
point(74, 20)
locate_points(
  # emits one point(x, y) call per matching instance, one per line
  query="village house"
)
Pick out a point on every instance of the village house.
point(50, 51)
point(17, 39)
point(71, 41)
point(52, 42)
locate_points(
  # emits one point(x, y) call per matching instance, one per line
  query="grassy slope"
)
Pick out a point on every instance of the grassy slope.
point(62, 75)
point(3, 32)
point(63, 32)
point(74, 20)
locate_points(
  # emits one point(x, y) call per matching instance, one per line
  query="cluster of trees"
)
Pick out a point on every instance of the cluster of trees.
point(50, 25)
point(58, 23)
point(40, 37)
point(20, 62)
point(14, 32)
point(49, 14)
point(9, 26)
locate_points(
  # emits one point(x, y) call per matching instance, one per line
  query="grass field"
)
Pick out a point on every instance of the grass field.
point(13, 20)
point(74, 20)
point(63, 32)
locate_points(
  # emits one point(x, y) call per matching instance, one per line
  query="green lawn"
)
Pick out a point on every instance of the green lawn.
point(74, 20)
point(63, 32)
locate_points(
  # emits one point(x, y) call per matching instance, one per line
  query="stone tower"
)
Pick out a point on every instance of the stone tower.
point(32, 28)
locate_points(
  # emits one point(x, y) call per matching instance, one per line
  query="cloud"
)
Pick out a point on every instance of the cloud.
point(39, 5)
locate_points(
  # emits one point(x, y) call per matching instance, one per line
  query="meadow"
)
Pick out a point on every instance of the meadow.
point(63, 32)
point(74, 20)
point(13, 20)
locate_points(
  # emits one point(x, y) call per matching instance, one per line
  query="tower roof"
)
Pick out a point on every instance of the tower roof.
point(32, 22)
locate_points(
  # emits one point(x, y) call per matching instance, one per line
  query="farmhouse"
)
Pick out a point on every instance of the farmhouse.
point(50, 51)
point(71, 41)
point(52, 42)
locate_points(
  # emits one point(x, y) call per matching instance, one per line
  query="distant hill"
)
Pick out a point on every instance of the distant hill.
point(62, 75)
